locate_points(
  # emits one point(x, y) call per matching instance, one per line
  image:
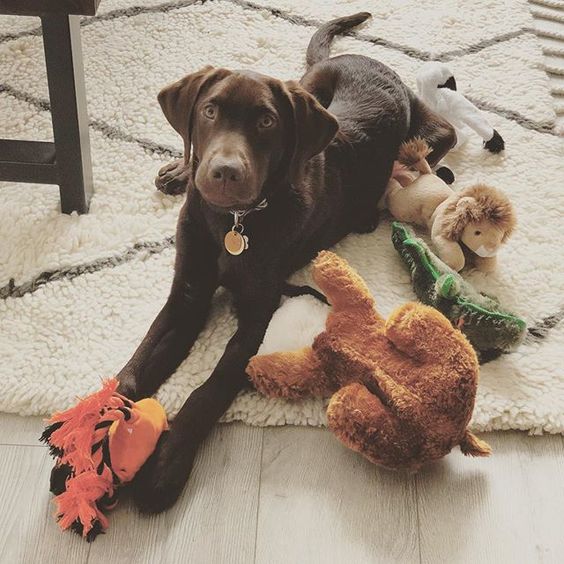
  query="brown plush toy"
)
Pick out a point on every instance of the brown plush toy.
point(402, 390)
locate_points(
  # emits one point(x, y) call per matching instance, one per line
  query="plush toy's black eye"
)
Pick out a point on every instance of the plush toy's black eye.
point(477, 232)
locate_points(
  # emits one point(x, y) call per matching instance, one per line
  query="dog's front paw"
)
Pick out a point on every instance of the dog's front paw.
point(159, 483)
point(173, 177)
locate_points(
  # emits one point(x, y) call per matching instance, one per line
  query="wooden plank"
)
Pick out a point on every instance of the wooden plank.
point(16, 430)
point(29, 172)
point(28, 532)
point(542, 468)
point(39, 152)
point(41, 7)
point(28, 161)
point(320, 502)
point(507, 508)
point(215, 519)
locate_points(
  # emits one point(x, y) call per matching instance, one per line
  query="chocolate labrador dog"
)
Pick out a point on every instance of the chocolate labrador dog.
point(296, 165)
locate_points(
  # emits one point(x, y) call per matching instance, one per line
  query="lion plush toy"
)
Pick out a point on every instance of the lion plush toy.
point(402, 390)
point(468, 226)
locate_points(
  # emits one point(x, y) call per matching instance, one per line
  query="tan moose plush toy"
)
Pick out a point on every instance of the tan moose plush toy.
point(402, 390)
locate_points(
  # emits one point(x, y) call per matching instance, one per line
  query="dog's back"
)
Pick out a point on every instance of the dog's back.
point(373, 108)
point(366, 96)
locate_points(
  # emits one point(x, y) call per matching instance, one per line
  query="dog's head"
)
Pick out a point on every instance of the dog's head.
point(244, 129)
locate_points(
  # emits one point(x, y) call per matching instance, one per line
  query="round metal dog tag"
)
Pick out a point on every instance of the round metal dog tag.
point(235, 242)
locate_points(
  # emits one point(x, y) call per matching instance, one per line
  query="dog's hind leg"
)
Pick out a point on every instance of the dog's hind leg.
point(435, 130)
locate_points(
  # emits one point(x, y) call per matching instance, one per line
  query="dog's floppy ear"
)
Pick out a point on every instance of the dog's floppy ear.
point(178, 99)
point(314, 127)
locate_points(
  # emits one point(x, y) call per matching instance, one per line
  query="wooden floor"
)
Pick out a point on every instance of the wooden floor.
point(295, 495)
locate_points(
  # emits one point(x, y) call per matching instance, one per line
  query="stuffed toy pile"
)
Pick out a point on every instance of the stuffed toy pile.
point(467, 227)
point(402, 390)
point(99, 445)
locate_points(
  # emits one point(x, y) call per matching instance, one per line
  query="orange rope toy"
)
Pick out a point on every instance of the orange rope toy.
point(99, 445)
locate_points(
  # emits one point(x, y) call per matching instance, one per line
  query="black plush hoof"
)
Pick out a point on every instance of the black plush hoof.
point(58, 480)
point(496, 144)
point(78, 528)
point(445, 174)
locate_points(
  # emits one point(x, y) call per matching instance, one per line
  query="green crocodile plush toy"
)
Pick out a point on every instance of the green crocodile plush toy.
point(480, 317)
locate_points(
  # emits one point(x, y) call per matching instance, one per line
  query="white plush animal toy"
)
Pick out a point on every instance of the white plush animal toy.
point(437, 88)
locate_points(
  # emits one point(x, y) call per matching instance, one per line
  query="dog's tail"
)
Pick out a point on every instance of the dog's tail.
point(320, 44)
point(471, 445)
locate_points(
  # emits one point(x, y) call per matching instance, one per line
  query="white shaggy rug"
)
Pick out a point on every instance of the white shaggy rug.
point(78, 293)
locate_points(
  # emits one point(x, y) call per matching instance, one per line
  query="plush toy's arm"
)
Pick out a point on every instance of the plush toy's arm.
point(403, 402)
point(471, 115)
point(290, 375)
point(342, 286)
point(450, 252)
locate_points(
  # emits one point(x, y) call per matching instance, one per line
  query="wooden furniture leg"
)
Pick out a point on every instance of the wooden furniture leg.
point(65, 75)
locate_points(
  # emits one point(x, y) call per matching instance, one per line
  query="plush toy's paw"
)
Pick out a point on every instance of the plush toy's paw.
point(159, 483)
point(454, 260)
point(172, 178)
point(445, 174)
point(496, 144)
point(360, 420)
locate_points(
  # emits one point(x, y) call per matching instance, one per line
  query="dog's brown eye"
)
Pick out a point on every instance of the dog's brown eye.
point(477, 232)
point(209, 111)
point(266, 121)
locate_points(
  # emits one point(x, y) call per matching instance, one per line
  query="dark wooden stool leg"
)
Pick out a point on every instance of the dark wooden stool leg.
point(65, 75)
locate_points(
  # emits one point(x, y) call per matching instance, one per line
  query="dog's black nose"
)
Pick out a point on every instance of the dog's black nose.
point(226, 172)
